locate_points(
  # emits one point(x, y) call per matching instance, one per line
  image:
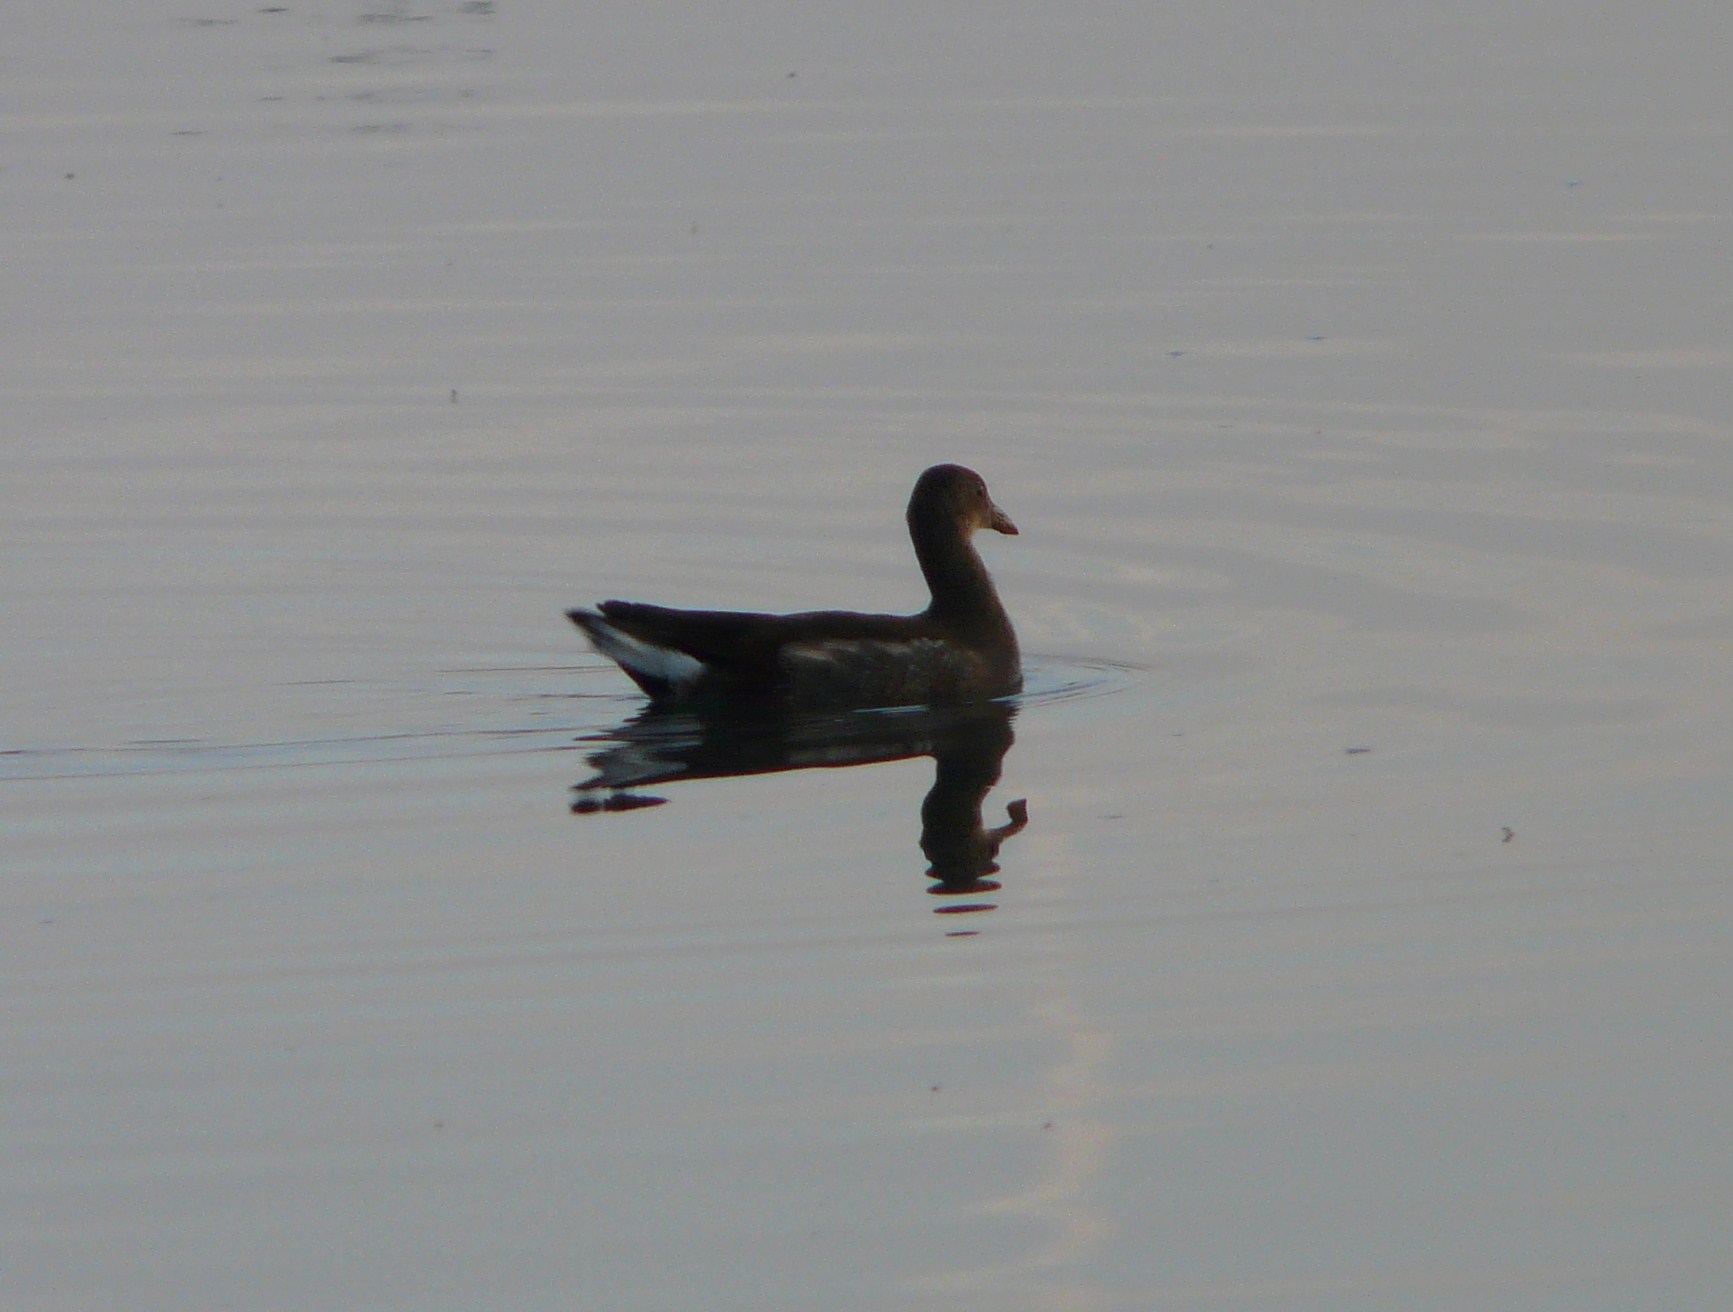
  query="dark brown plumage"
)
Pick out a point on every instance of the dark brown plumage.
point(960, 648)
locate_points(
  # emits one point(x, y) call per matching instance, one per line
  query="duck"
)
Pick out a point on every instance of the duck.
point(960, 649)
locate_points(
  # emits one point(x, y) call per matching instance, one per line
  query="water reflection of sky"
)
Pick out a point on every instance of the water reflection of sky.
point(1358, 385)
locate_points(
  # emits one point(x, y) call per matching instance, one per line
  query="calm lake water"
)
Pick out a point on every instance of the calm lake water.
point(1359, 381)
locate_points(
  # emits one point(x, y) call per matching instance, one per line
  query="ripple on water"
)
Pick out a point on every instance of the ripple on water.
point(1069, 678)
point(505, 709)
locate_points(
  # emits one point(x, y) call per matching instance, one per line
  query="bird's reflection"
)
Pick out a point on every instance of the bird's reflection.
point(967, 744)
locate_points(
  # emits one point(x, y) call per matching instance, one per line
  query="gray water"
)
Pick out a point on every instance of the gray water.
point(1359, 382)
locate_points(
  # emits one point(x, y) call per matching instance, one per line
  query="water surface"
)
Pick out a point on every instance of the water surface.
point(1359, 385)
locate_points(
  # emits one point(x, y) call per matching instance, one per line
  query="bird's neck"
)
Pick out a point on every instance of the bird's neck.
point(954, 572)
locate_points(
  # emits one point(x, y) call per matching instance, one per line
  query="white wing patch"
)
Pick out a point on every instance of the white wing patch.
point(869, 651)
point(646, 658)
